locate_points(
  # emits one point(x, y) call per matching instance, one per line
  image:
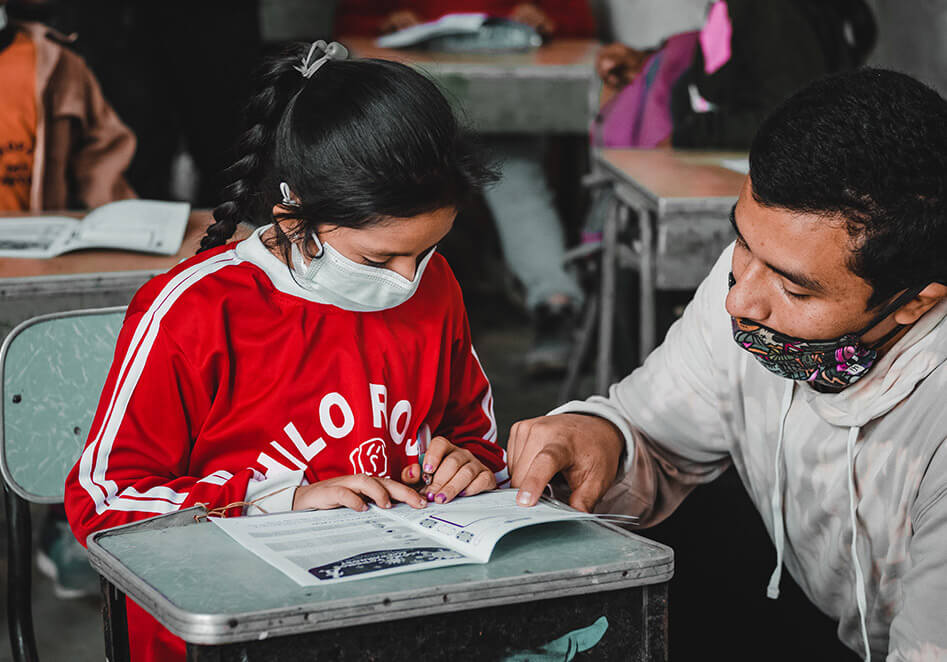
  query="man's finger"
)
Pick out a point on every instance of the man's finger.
point(585, 497)
point(547, 463)
point(519, 442)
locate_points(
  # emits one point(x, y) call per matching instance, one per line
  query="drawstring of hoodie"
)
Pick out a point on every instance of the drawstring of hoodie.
point(779, 526)
point(859, 576)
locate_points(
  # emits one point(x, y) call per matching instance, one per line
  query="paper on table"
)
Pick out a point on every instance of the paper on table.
point(150, 226)
point(319, 547)
point(459, 23)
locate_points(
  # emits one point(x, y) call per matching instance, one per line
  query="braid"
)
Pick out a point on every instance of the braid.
point(243, 198)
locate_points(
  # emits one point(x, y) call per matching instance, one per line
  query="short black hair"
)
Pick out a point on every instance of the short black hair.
point(359, 142)
point(868, 147)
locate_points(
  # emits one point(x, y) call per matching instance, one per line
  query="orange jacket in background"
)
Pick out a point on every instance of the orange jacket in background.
point(82, 147)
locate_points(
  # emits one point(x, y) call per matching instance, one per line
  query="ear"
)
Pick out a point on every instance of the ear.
point(926, 299)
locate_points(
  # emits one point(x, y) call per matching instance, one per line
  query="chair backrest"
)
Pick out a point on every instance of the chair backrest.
point(52, 370)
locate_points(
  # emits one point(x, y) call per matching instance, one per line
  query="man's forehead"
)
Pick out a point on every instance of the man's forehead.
point(814, 251)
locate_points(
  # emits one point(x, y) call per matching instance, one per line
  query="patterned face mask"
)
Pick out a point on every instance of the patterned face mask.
point(827, 365)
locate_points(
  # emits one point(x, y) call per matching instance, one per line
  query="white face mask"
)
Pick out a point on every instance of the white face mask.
point(363, 287)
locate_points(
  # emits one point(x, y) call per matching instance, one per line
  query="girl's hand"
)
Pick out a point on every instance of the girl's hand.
point(352, 491)
point(455, 470)
point(534, 17)
point(399, 20)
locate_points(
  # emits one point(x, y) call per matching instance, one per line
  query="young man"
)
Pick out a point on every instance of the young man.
point(830, 404)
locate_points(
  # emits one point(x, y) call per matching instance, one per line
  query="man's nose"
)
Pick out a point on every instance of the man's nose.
point(747, 297)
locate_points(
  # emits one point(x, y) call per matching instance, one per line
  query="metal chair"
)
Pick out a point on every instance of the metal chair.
point(52, 370)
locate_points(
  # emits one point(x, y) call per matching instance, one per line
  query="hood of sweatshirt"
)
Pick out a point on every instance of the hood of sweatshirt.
point(892, 378)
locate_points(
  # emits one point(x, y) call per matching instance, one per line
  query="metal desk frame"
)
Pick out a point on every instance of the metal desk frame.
point(653, 214)
point(434, 608)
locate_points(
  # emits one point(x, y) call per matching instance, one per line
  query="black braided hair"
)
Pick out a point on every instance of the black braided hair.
point(359, 142)
point(278, 80)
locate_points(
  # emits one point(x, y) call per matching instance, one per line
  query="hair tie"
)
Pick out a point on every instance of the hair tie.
point(287, 200)
point(331, 51)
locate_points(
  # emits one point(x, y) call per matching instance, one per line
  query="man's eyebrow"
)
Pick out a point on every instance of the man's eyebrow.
point(799, 279)
point(733, 221)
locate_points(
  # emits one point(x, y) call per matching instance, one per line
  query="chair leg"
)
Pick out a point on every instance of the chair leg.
point(19, 577)
point(580, 350)
point(115, 622)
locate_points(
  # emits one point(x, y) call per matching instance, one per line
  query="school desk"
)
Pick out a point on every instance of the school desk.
point(84, 279)
point(543, 582)
point(551, 90)
point(682, 201)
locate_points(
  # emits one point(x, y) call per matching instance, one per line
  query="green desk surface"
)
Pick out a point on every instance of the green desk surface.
point(208, 589)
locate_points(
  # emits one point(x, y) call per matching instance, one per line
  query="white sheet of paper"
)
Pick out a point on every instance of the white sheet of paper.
point(35, 237)
point(318, 547)
point(150, 226)
point(458, 23)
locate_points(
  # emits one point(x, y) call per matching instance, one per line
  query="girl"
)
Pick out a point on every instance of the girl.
point(308, 365)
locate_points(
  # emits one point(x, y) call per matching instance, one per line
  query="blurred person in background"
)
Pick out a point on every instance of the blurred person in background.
point(61, 144)
point(61, 147)
point(529, 227)
point(712, 89)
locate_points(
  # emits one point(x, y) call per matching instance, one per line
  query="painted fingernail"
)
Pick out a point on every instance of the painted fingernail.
point(441, 497)
point(463, 493)
point(429, 467)
point(430, 496)
point(523, 498)
point(411, 471)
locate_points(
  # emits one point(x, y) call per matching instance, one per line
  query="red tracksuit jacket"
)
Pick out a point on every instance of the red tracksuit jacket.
point(229, 379)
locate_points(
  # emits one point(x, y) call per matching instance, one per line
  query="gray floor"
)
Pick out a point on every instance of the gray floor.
point(72, 630)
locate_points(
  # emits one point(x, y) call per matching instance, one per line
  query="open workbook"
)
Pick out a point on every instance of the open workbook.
point(149, 226)
point(326, 546)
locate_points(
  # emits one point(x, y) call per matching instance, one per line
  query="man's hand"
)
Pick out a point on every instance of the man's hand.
point(535, 18)
point(617, 64)
point(586, 449)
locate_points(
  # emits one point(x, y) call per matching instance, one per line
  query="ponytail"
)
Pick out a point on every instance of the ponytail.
point(243, 202)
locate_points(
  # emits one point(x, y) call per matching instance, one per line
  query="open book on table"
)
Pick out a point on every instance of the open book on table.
point(149, 226)
point(448, 24)
point(318, 547)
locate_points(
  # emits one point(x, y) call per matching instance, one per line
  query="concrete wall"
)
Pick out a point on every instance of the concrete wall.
point(644, 23)
point(912, 37)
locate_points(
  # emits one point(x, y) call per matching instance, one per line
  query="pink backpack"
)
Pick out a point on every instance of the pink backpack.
point(640, 115)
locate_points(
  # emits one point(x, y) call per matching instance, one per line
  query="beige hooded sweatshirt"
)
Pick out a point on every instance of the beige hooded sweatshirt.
point(852, 486)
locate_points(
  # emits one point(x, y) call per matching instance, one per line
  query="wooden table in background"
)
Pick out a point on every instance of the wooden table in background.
point(551, 90)
point(682, 202)
point(84, 279)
